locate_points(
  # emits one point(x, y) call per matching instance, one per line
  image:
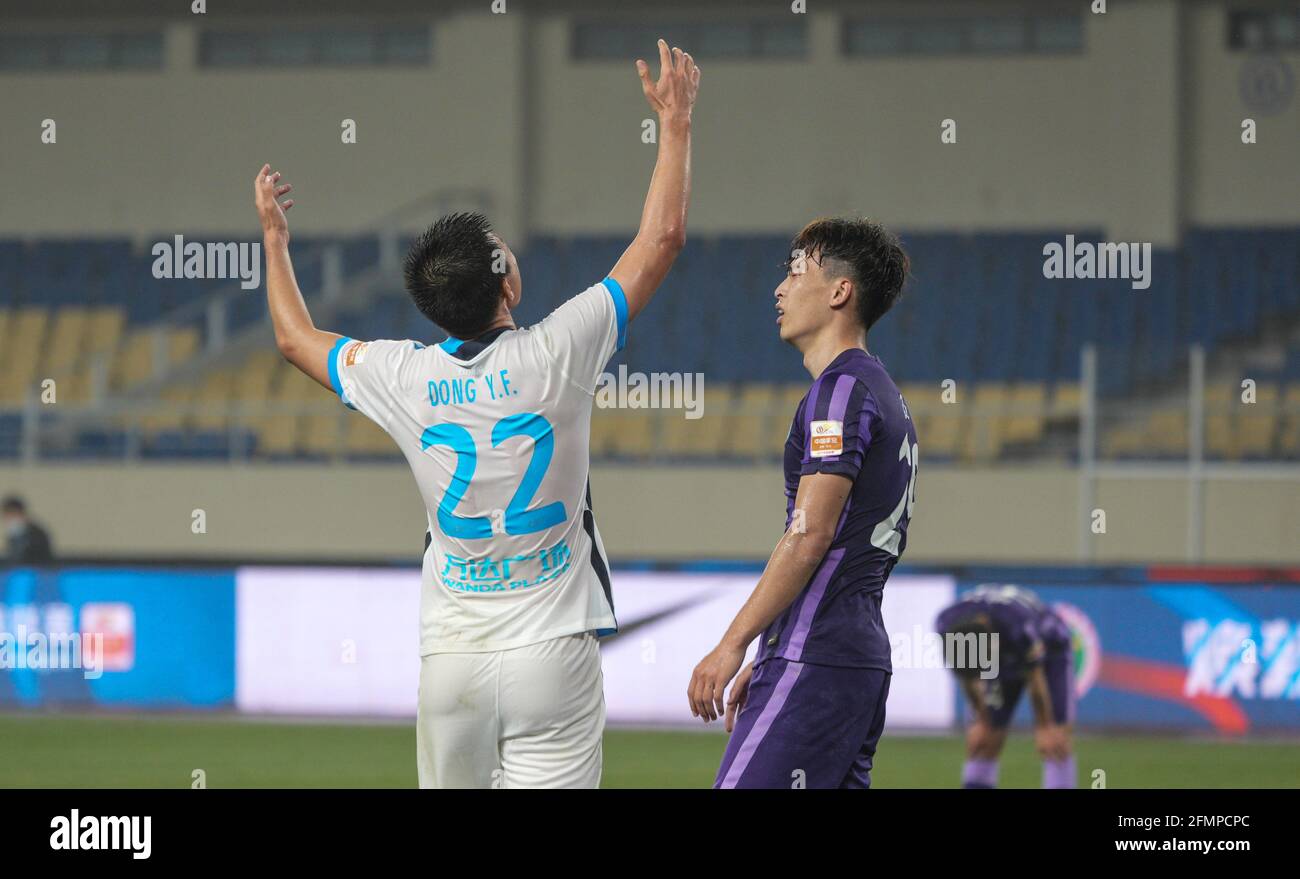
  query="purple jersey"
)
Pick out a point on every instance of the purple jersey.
point(1028, 630)
point(853, 422)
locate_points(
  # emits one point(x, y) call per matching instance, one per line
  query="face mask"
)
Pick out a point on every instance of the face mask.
point(15, 527)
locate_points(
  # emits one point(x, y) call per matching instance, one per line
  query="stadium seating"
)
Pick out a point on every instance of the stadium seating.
point(978, 311)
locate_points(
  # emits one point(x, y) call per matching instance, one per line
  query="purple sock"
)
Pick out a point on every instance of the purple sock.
point(1059, 773)
point(979, 774)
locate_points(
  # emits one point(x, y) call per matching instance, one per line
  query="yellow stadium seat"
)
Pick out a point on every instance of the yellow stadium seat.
point(276, 435)
point(602, 431)
point(1257, 422)
point(13, 389)
point(940, 433)
point(100, 345)
point(212, 402)
point(132, 363)
point(938, 424)
point(29, 324)
point(1025, 420)
point(634, 432)
point(983, 438)
point(703, 436)
point(67, 340)
point(183, 344)
point(290, 384)
point(21, 357)
point(1067, 401)
point(1166, 431)
point(282, 433)
point(749, 434)
point(74, 387)
point(788, 397)
point(1219, 416)
point(1124, 441)
point(253, 377)
point(172, 411)
point(104, 329)
point(921, 397)
point(277, 432)
point(1289, 437)
point(321, 434)
point(251, 390)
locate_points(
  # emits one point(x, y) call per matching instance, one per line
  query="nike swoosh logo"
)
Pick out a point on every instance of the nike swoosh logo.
point(625, 629)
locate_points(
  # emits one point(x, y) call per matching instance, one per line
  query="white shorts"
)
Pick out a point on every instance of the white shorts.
point(528, 717)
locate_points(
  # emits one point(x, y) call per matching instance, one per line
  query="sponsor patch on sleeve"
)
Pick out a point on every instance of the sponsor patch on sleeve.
point(355, 354)
point(827, 439)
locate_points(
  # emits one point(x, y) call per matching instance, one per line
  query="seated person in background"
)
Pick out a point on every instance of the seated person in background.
point(27, 542)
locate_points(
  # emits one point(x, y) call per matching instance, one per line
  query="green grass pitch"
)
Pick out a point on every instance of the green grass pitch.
point(107, 751)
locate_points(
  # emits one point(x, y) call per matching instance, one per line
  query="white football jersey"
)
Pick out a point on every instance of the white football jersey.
point(497, 432)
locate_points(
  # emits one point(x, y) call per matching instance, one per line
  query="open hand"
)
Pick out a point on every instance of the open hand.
point(673, 96)
point(267, 192)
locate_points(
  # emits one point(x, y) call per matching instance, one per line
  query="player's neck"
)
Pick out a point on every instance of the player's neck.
point(823, 349)
point(501, 321)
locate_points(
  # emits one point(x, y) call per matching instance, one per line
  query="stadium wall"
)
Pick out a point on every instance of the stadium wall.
point(184, 143)
point(1226, 182)
point(1155, 97)
point(372, 513)
point(768, 157)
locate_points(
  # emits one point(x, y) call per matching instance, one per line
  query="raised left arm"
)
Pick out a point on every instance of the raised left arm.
point(295, 335)
point(818, 505)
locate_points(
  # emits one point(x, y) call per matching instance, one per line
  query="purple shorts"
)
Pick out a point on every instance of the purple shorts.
point(805, 725)
point(1003, 695)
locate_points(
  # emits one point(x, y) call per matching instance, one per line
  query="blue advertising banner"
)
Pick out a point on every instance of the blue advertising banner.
point(1184, 655)
point(1152, 650)
point(150, 638)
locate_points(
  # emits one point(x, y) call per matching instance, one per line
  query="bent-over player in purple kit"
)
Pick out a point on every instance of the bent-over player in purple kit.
point(1034, 653)
point(809, 710)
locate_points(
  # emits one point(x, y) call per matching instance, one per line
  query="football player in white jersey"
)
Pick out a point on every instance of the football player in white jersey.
point(495, 424)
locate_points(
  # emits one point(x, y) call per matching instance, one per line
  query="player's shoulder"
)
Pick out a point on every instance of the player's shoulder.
point(364, 345)
point(603, 295)
point(370, 354)
point(879, 390)
point(591, 308)
point(872, 372)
